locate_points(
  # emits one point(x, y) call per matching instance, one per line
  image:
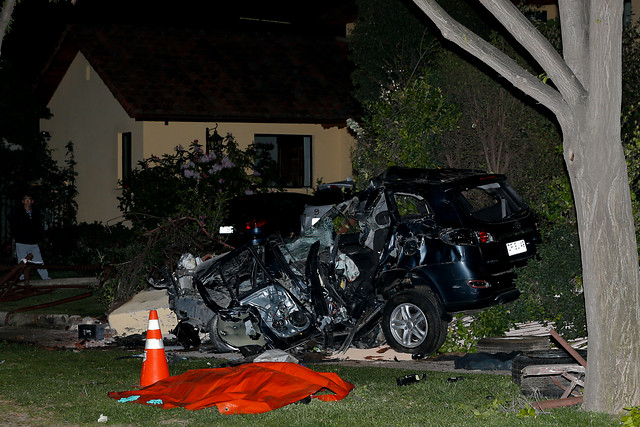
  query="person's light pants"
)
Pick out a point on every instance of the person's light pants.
point(23, 249)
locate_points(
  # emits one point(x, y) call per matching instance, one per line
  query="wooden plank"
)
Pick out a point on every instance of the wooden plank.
point(557, 403)
point(532, 370)
point(567, 347)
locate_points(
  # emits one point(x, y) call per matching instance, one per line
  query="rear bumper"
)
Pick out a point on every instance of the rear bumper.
point(508, 296)
point(480, 303)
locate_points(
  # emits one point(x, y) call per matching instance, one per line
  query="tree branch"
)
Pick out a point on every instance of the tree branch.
point(500, 62)
point(5, 18)
point(538, 47)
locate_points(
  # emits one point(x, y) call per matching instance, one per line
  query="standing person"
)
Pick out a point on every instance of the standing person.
point(26, 230)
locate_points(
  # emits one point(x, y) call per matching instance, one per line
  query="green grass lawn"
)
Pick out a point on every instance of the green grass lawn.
point(64, 387)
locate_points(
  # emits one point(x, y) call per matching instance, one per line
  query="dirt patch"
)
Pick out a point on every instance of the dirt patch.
point(14, 415)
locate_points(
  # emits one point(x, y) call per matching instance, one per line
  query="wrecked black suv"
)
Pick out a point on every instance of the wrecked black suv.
point(393, 263)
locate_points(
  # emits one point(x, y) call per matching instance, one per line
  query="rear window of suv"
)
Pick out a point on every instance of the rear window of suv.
point(492, 202)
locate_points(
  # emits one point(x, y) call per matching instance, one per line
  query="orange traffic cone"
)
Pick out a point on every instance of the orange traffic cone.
point(154, 364)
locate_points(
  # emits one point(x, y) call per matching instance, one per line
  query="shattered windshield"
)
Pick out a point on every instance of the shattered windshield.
point(491, 202)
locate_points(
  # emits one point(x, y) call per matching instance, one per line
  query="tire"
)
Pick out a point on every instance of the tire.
point(219, 346)
point(510, 344)
point(545, 357)
point(444, 331)
point(187, 335)
point(412, 323)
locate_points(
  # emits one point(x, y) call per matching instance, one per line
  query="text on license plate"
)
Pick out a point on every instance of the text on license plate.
point(517, 247)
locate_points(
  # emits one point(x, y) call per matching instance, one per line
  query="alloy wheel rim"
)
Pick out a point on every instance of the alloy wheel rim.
point(408, 325)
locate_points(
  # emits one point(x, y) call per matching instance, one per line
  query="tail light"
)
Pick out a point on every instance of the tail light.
point(255, 227)
point(255, 224)
point(484, 237)
point(466, 237)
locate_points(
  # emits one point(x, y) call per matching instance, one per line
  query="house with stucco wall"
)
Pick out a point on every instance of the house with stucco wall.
point(548, 9)
point(123, 93)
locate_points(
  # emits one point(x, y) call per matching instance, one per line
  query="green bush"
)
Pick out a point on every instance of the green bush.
point(175, 204)
point(464, 331)
point(401, 128)
point(551, 285)
point(191, 183)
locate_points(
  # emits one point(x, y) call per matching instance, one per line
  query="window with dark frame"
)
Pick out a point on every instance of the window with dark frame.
point(126, 155)
point(291, 155)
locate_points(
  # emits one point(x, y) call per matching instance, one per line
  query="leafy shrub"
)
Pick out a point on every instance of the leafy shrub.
point(190, 182)
point(461, 337)
point(632, 417)
point(401, 128)
point(631, 140)
point(175, 203)
point(465, 331)
point(551, 285)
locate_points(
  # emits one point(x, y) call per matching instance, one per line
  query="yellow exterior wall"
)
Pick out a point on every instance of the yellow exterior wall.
point(331, 148)
point(85, 112)
point(552, 10)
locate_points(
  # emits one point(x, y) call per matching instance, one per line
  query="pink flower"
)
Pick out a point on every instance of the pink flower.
point(188, 173)
point(227, 163)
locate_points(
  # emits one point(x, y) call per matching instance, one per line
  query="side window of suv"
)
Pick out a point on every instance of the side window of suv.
point(411, 206)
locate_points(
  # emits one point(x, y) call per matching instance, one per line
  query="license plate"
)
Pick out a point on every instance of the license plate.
point(517, 247)
point(226, 229)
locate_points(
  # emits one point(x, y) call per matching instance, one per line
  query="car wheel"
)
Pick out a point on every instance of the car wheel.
point(412, 323)
point(219, 346)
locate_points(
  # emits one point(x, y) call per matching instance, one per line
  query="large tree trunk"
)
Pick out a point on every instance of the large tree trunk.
point(609, 266)
point(586, 100)
point(598, 172)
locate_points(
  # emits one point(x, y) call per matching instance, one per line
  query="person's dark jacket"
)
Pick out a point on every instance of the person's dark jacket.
point(24, 229)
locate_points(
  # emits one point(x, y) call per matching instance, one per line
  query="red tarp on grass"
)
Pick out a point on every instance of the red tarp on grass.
point(246, 389)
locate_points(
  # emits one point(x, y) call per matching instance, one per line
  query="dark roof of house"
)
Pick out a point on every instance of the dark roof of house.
point(180, 74)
